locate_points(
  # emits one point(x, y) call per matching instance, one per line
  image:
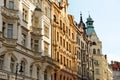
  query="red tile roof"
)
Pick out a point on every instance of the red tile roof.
point(115, 66)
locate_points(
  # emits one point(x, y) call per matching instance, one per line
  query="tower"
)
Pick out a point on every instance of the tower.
point(90, 27)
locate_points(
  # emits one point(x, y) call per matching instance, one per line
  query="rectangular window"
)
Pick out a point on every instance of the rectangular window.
point(46, 48)
point(36, 42)
point(67, 45)
point(57, 36)
point(10, 31)
point(1, 61)
point(11, 4)
point(61, 59)
point(60, 40)
point(46, 31)
point(23, 39)
point(25, 15)
point(97, 71)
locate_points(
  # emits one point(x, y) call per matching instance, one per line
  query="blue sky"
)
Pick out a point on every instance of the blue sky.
point(106, 16)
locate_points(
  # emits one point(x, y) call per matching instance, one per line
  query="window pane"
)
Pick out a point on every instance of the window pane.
point(11, 4)
point(10, 31)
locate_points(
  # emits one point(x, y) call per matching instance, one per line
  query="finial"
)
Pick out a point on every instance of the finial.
point(81, 16)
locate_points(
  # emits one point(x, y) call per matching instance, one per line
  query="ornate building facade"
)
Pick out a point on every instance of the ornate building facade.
point(25, 40)
point(39, 40)
point(100, 64)
point(63, 41)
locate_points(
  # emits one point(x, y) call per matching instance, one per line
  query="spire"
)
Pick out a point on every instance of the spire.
point(81, 23)
point(81, 20)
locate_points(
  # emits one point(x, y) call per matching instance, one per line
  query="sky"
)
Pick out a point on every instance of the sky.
point(106, 16)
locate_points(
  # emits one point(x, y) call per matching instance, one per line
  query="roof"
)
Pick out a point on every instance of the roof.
point(115, 66)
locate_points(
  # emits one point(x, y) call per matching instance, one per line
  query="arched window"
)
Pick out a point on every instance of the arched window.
point(94, 51)
point(31, 70)
point(98, 51)
point(23, 66)
point(12, 65)
point(38, 73)
point(60, 77)
point(64, 78)
point(1, 61)
point(45, 75)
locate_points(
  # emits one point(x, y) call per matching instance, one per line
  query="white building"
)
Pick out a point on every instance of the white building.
point(25, 39)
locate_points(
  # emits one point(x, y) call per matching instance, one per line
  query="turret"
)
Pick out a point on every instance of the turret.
point(90, 27)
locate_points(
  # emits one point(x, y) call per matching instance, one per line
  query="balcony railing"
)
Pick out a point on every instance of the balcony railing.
point(9, 13)
point(10, 42)
point(36, 31)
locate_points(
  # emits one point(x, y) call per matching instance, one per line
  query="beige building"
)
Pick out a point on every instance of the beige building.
point(25, 40)
point(100, 64)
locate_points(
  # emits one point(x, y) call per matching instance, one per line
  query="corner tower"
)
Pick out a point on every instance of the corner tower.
point(90, 27)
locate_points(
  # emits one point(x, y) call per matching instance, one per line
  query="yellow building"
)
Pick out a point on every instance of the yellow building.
point(63, 41)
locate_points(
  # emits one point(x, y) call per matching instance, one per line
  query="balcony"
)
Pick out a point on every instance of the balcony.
point(36, 31)
point(10, 42)
point(9, 13)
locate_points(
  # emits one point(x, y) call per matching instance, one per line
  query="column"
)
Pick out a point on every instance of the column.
point(7, 62)
point(34, 75)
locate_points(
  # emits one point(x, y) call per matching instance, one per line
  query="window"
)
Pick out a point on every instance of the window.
point(57, 36)
point(4, 3)
point(45, 75)
point(70, 47)
point(97, 71)
point(69, 32)
point(46, 11)
point(23, 66)
point(72, 36)
point(58, 56)
point(54, 18)
point(46, 31)
point(60, 40)
point(67, 45)
point(46, 48)
point(96, 62)
point(23, 39)
point(61, 59)
point(11, 4)
point(25, 15)
point(1, 61)
point(55, 76)
point(12, 65)
point(98, 51)
point(31, 70)
point(34, 45)
point(94, 51)
point(10, 31)
point(64, 61)
point(61, 24)
point(60, 77)
point(38, 73)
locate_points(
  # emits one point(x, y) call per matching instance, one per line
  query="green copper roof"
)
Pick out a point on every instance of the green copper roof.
point(89, 18)
point(90, 27)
